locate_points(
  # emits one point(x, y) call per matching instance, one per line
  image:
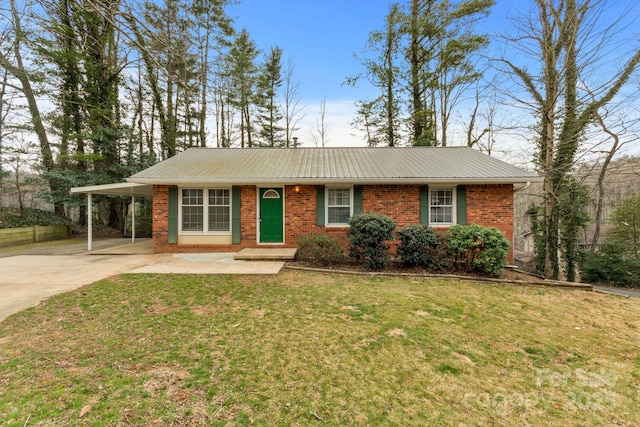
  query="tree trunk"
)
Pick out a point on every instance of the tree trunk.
point(416, 82)
point(203, 101)
point(600, 183)
point(19, 72)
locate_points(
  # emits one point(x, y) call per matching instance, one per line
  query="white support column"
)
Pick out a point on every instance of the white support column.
point(133, 219)
point(89, 222)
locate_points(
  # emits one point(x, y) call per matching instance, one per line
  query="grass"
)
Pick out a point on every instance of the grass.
point(311, 349)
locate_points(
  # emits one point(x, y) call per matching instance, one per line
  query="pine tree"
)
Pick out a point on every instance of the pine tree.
point(384, 72)
point(168, 51)
point(423, 63)
point(269, 111)
point(213, 26)
point(442, 45)
point(241, 68)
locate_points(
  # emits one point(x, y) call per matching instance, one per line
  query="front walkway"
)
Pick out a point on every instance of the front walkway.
point(208, 263)
point(266, 254)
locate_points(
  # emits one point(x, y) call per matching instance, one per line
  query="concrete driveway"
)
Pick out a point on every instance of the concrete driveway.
point(30, 276)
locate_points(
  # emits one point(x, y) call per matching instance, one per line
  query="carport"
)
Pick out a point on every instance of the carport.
point(120, 189)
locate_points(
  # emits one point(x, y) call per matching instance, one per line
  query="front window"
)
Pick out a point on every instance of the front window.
point(192, 210)
point(339, 206)
point(219, 210)
point(441, 206)
point(205, 210)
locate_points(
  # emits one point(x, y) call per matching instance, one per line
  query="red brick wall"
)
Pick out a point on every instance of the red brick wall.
point(248, 214)
point(487, 205)
point(400, 202)
point(161, 219)
point(492, 206)
point(300, 213)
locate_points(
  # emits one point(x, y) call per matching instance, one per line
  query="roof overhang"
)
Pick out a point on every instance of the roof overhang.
point(185, 182)
point(119, 189)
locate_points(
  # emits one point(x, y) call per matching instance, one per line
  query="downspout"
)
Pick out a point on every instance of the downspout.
point(524, 187)
point(516, 190)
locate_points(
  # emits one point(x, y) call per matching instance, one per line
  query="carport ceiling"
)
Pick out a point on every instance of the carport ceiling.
point(119, 189)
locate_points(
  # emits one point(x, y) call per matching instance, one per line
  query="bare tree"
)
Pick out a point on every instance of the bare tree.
point(4, 111)
point(15, 66)
point(321, 131)
point(293, 111)
point(616, 145)
point(474, 135)
point(566, 39)
point(20, 157)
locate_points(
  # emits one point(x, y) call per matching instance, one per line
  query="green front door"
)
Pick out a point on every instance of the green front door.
point(271, 216)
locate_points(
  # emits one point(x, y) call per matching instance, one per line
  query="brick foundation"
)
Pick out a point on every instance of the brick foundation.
point(487, 205)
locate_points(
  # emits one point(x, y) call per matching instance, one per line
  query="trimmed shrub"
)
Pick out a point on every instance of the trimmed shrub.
point(417, 245)
point(477, 249)
point(441, 257)
point(319, 249)
point(368, 235)
point(612, 265)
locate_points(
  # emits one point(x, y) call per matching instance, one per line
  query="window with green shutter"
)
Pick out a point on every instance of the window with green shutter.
point(336, 205)
point(172, 226)
point(320, 206)
point(357, 200)
point(424, 204)
point(235, 215)
point(339, 205)
point(461, 209)
point(443, 206)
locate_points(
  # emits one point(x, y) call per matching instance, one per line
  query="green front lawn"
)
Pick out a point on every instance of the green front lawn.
point(314, 349)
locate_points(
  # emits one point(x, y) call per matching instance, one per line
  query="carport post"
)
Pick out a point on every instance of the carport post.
point(133, 219)
point(89, 223)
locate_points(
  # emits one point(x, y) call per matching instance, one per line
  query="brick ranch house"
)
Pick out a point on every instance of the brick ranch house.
point(227, 199)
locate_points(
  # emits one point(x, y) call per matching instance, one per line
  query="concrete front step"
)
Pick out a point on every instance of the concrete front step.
point(266, 254)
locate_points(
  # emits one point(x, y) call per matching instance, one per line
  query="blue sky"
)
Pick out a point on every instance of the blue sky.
point(322, 36)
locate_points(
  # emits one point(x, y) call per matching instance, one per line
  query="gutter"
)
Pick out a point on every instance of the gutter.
point(184, 181)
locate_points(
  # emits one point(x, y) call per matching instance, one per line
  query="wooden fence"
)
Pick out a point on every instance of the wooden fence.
point(35, 234)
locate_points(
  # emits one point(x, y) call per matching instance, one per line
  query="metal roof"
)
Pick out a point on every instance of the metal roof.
point(390, 165)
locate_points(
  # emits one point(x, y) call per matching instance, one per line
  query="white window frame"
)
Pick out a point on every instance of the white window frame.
point(326, 205)
point(205, 212)
point(454, 203)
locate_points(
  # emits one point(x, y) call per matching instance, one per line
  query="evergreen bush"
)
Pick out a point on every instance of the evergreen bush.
point(319, 249)
point(417, 246)
point(368, 235)
point(613, 264)
point(477, 249)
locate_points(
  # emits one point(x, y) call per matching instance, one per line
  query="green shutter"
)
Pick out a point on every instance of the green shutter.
point(424, 204)
point(461, 206)
point(172, 229)
point(235, 215)
point(357, 200)
point(320, 206)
